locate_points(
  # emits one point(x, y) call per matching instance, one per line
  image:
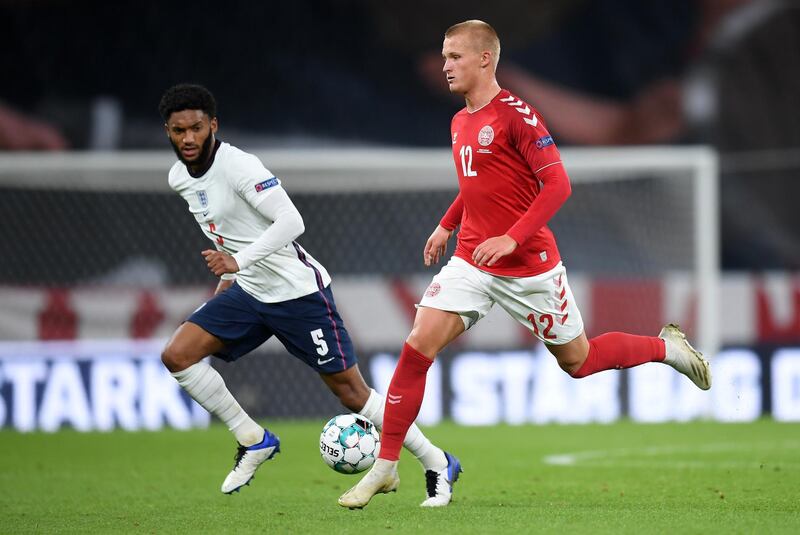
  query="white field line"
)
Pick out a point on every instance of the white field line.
point(628, 456)
point(709, 464)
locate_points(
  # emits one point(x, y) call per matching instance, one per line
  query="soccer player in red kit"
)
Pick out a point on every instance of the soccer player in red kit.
point(511, 181)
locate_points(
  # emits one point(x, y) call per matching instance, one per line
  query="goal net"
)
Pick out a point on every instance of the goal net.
point(98, 248)
point(639, 236)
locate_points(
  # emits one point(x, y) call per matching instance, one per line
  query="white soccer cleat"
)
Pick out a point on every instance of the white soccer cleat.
point(248, 459)
point(684, 358)
point(440, 484)
point(381, 479)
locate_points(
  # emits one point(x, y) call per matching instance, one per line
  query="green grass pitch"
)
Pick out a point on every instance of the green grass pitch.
point(620, 478)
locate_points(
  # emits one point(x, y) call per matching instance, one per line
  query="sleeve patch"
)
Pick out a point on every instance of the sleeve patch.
point(544, 141)
point(270, 182)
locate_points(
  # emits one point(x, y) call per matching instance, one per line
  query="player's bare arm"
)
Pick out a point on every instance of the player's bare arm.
point(493, 249)
point(220, 262)
point(436, 245)
point(223, 285)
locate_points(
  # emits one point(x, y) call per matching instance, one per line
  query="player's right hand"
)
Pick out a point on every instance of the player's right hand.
point(220, 262)
point(436, 245)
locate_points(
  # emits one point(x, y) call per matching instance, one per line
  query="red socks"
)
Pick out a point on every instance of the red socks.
point(403, 400)
point(606, 352)
point(614, 351)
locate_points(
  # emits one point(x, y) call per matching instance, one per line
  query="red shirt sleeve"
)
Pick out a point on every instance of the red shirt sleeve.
point(536, 145)
point(555, 190)
point(452, 218)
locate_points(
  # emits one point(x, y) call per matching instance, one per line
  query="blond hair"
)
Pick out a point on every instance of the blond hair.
point(485, 37)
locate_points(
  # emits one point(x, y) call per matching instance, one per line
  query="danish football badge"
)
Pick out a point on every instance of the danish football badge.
point(486, 136)
point(433, 289)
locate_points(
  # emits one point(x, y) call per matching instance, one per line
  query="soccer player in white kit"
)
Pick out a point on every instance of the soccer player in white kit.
point(511, 182)
point(269, 286)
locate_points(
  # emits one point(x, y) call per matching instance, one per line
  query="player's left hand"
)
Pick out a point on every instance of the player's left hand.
point(220, 262)
point(493, 250)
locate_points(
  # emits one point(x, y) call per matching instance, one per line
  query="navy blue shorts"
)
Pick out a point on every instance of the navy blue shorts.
point(309, 327)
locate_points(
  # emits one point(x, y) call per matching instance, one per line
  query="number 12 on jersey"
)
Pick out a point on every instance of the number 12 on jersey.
point(466, 160)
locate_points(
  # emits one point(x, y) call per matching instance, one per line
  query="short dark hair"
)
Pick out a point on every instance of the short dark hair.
point(187, 97)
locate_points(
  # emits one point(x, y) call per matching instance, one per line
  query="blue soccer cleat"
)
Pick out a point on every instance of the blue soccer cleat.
point(248, 459)
point(440, 484)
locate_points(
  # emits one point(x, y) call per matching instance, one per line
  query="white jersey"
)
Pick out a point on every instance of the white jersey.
point(223, 202)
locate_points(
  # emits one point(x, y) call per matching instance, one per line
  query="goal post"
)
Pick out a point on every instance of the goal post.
point(701, 164)
point(635, 214)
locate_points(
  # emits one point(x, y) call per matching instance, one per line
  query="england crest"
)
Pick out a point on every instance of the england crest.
point(203, 198)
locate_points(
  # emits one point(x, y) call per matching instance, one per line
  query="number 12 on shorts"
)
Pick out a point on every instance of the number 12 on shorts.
point(319, 341)
point(546, 321)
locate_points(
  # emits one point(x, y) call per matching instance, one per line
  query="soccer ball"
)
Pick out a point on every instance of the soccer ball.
point(349, 443)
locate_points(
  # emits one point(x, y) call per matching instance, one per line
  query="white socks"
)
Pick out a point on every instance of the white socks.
point(207, 388)
point(431, 457)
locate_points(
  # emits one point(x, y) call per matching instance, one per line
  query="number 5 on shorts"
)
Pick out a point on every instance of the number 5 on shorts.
point(322, 345)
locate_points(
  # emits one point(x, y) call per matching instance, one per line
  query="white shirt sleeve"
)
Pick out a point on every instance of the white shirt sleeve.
point(287, 224)
point(251, 179)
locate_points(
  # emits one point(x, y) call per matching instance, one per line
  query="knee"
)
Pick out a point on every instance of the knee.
point(422, 343)
point(569, 360)
point(174, 359)
point(571, 367)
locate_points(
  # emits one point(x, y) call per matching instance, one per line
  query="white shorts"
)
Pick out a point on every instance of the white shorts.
point(543, 303)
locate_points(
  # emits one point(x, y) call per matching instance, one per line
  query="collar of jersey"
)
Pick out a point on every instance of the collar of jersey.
point(490, 101)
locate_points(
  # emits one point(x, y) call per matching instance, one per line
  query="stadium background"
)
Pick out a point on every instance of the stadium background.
point(115, 262)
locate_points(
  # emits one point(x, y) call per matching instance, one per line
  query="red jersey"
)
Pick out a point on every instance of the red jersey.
point(511, 181)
